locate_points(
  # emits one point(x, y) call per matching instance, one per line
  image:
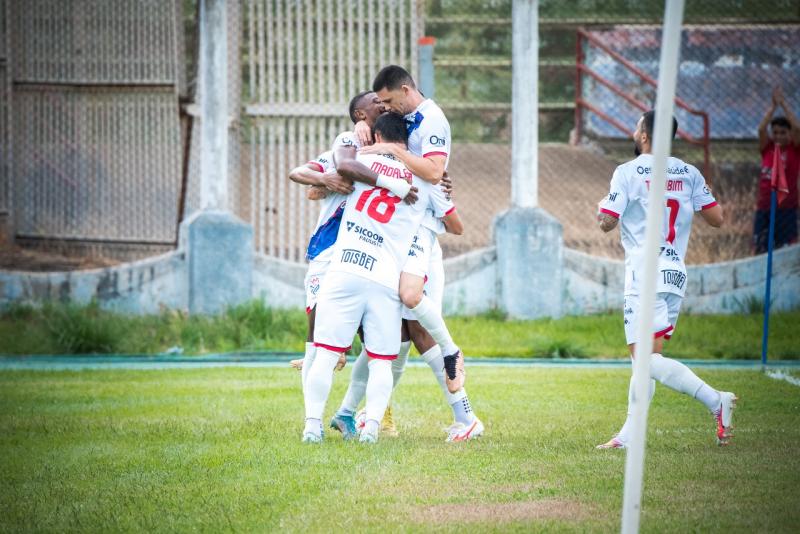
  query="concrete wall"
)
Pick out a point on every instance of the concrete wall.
point(589, 284)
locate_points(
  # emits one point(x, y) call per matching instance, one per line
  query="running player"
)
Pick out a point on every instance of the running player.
point(686, 193)
point(331, 190)
point(362, 281)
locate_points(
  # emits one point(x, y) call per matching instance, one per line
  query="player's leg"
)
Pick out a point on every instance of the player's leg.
point(427, 263)
point(340, 307)
point(466, 424)
point(344, 418)
point(382, 343)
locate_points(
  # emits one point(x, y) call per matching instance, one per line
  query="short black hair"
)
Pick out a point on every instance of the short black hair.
point(650, 119)
point(392, 128)
point(354, 104)
point(781, 121)
point(391, 78)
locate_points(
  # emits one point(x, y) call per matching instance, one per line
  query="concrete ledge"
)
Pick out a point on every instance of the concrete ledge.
point(279, 283)
point(471, 282)
point(143, 286)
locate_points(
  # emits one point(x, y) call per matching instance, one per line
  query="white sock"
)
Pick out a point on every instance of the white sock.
point(313, 426)
point(431, 319)
point(308, 360)
point(379, 388)
point(399, 364)
point(623, 434)
point(677, 376)
point(357, 387)
point(318, 382)
point(458, 401)
point(708, 396)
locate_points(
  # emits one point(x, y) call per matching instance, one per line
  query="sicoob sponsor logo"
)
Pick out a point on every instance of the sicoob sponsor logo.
point(356, 257)
point(365, 234)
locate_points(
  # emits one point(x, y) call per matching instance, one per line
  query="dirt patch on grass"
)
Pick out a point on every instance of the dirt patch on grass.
point(504, 512)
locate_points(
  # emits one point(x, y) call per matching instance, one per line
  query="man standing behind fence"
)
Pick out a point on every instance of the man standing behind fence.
point(784, 146)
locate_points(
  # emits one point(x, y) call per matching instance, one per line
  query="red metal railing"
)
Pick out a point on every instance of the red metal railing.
point(582, 70)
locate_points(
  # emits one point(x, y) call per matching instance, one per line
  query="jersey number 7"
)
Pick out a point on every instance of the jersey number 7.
point(672, 207)
point(374, 210)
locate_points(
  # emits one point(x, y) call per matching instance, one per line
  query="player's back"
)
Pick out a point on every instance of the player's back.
point(377, 226)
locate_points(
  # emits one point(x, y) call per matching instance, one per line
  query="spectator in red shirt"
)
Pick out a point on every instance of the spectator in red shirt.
point(786, 135)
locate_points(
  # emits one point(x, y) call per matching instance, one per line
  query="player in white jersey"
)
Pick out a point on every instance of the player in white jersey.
point(686, 193)
point(374, 238)
point(331, 190)
point(422, 280)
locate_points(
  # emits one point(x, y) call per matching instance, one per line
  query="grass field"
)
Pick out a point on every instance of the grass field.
point(218, 450)
point(60, 329)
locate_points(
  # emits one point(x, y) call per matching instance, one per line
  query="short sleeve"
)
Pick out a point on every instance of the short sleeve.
point(702, 199)
point(344, 139)
point(435, 136)
point(323, 162)
point(439, 203)
point(617, 200)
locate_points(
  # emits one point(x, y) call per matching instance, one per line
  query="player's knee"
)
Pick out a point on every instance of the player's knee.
point(410, 296)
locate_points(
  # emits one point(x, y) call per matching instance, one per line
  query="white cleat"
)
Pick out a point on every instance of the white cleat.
point(723, 417)
point(461, 432)
point(368, 437)
point(310, 437)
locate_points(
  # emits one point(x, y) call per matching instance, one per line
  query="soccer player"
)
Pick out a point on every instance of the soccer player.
point(422, 280)
point(686, 193)
point(361, 287)
point(332, 191)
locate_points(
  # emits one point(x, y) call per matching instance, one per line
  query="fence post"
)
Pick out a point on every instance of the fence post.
point(427, 80)
point(528, 239)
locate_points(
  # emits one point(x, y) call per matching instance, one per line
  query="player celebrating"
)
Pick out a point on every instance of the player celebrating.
point(686, 192)
point(328, 187)
point(361, 287)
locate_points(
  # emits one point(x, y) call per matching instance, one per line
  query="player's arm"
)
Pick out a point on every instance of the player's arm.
point(316, 192)
point(352, 169)
point(790, 116)
point(430, 168)
point(612, 206)
point(763, 135)
point(713, 215)
point(453, 223)
point(311, 174)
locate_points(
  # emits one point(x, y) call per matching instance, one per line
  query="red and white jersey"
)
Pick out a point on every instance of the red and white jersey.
point(378, 227)
point(429, 135)
point(322, 238)
point(685, 193)
point(345, 139)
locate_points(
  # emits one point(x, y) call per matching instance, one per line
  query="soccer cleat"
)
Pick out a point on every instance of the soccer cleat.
point(361, 420)
point(310, 437)
point(345, 424)
point(297, 364)
point(454, 366)
point(368, 437)
point(723, 417)
point(462, 432)
point(387, 424)
point(613, 443)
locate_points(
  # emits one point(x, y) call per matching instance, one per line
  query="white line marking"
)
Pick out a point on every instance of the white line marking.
point(780, 375)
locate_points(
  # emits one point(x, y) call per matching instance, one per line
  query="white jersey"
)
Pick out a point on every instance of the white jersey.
point(429, 136)
point(345, 139)
point(685, 193)
point(378, 227)
point(330, 214)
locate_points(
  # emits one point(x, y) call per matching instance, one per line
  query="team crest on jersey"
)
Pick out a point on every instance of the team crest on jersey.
point(313, 285)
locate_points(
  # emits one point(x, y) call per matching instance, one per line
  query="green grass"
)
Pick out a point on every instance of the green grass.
point(65, 329)
point(218, 450)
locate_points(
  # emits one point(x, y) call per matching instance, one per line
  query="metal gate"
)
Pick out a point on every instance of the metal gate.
point(304, 60)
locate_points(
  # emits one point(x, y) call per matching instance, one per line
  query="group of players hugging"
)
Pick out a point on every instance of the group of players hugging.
point(375, 263)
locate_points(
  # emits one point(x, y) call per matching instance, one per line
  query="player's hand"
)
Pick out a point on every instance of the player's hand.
point(777, 95)
point(363, 133)
point(336, 183)
point(342, 362)
point(379, 148)
point(447, 185)
point(411, 197)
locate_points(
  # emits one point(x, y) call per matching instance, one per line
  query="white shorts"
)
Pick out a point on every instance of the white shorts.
point(314, 277)
point(433, 273)
point(347, 301)
point(665, 318)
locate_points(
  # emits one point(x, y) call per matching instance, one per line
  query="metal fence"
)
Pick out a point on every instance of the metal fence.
point(105, 152)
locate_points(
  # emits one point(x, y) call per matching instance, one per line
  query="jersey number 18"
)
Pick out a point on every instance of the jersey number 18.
point(384, 198)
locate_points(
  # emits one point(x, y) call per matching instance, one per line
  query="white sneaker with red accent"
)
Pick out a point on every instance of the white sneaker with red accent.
point(723, 417)
point(462, 432)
